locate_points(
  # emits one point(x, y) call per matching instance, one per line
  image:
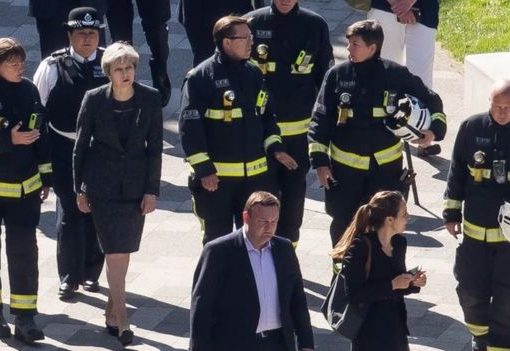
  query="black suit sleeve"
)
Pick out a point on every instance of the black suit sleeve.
point(154, 147)
point(205, 292)
point(84, 129)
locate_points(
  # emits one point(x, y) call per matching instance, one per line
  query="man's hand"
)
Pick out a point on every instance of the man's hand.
point(148, 204)
point(453, 228)
point(45, 190)
point(286, 160)
point(324, 174)
point(428, 138)
point(23, 138)
point(407, 18)
point(83, 202)
point(401, 7)
point(210, 182)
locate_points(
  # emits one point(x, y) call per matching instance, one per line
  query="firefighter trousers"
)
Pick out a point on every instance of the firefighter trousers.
point(219, 210)
point(291, 188)
point(20, 217)
point(482, 270)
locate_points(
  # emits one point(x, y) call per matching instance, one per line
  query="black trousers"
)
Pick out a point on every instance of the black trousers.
point(79, 257)
point(20, 217)
point(272, 343)
point(154, 15)
point(219, 210)
point(354, 188)
point(482, 270)
point(292, 188)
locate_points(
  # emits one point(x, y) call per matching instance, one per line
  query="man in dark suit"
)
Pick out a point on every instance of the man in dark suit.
point(247, 289)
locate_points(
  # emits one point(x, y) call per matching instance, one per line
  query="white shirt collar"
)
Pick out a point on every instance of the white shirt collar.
point(80, 59)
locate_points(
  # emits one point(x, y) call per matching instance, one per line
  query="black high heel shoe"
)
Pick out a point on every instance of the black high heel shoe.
point(113, 330)
point(126, 337)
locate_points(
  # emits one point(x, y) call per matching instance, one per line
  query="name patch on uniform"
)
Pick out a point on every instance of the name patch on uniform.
point(483, 141)
point(222, 83)
point(190, 114)
point(97, 72)
point(346, 84)
point(320, 108)
point(264, 34)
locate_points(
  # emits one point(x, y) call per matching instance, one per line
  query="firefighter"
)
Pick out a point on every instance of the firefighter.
point(62, 80)
point(478, 181)
point(25, 176)
point(291, 47)
point(199, 17)
point(354, 154)
point(227, 130)
point(155, 15)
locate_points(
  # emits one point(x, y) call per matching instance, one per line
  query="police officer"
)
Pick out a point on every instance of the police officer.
point(62, 80)
point(199, 16)
point(227, 130)
point(155, 15)
point(479, 180)
point(24, 181)
point(291, 47)
point(50, 16)
point(350, 148)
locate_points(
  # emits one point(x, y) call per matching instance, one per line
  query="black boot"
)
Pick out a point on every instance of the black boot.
point(5, 331)
point(26, 330)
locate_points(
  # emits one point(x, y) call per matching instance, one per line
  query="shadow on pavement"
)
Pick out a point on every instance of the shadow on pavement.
point(47, 224)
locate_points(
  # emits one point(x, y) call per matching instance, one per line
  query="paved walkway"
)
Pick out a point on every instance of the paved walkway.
point(159, 278)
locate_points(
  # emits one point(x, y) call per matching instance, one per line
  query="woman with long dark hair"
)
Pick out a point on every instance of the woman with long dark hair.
point(380, 221)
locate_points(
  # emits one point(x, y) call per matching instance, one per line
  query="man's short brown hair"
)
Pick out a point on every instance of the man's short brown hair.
point(225, 27)
point(11, 49)
point(262, 198)
point(370, 31)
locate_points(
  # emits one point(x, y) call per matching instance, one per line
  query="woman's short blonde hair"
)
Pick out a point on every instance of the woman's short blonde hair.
point(118, 52)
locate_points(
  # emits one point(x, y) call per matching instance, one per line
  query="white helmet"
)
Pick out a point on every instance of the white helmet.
point(504, 219)
point(411, 117)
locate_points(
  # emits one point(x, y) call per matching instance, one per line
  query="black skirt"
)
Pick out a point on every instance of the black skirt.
point(119, 224)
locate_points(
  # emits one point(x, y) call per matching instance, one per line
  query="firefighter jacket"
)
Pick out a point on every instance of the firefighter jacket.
point(293, 52)
point(24, 169)
point(479, 177)
point(225, 124)
point(74, 79)
point(347, 128)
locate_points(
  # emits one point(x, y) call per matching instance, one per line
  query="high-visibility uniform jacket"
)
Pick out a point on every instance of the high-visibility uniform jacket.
point(352, 146)
point(473, 184)
point(24, 169)
point(296, 55)
point(225, 124)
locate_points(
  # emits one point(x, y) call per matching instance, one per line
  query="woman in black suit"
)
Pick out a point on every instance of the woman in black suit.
point(380, 221)
point(117, 168)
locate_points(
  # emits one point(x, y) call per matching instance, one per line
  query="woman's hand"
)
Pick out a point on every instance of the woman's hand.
point(23, 138)
point(324, 175)
point(286, 160)
point(402, 281)
point(420, 280)
point(148, 204)
point(83, 202)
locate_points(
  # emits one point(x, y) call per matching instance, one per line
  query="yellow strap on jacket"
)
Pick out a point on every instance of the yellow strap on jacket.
point(294, 128)
point(220, 114)
point(491, 235)
point(15, 190)
point(237, 169)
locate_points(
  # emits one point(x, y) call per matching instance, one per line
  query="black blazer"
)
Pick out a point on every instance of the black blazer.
point(225, 307)
point(102, 167)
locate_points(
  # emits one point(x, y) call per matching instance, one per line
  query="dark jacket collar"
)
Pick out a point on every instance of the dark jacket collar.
point(293, 12)
point(221, 57)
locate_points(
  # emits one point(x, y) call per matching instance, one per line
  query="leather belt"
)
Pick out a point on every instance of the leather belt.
point(269, 333)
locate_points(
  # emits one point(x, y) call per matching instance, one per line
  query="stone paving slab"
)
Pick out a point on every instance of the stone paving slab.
point(159, 278)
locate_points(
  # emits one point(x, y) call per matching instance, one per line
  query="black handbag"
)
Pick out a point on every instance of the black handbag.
point(343, 316)
point(363, 5)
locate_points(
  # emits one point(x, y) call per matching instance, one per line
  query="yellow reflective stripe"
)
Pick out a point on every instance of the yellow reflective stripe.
point(486, 172)
point(490, 235)
point(350, 159)
point(493, 348)
point(440, 116)
point(477, 330)
point(10, 190)
point(197, 158)
point(261, 98)
point(32, 184)
point(317, 147)
point(45, 168)
point(220, 114)
point(271, 66)
point(304, 70)
point(452, 204)
point(256, 167)
point(294, 128)
point(389, 154)
point(25, 302)
point(377, 112)
point(270, 140)
point(237, 169)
